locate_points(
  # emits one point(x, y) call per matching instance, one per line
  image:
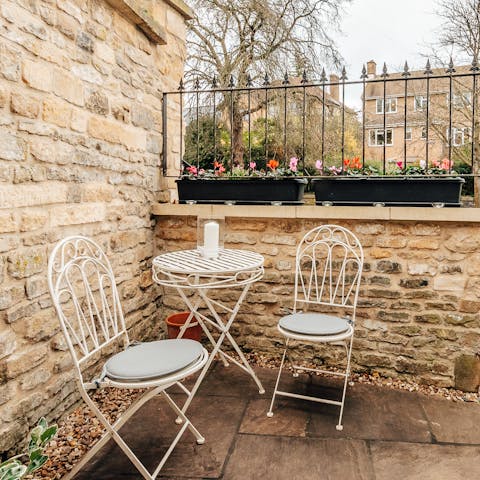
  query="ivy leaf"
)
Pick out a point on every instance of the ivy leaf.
point(37, 463)
point(12, 471)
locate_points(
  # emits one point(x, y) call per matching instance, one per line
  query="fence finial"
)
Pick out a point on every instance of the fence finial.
point(364, 72)
point(343, 75)
point(231, 82)
point(196, 84)
point(304, 77)
point(451, 68)
point(384, 71)
point(286, 80)
point(181, 86)
point(475, 67)
point(266, 80)
point(214, 81)
point(428, 68)
point(249, 80)
point(406, 71)
point(323, 76)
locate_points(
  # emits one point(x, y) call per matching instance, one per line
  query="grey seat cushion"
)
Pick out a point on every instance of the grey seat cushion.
point(314, 324)
point(151, 360)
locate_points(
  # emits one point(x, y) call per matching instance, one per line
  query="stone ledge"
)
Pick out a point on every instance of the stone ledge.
point(408, 214)
point(181, 7)
point(131, 10)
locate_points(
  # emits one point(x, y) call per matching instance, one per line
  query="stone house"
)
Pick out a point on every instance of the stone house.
point(412, 139)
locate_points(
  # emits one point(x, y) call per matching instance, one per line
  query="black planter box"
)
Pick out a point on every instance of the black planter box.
point(391, 191)
point(242, 191)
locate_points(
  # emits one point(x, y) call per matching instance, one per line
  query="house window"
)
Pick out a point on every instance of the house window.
point(408, 133)
point(460, 136)
point(420, 103)
point(391, 105)
point(462, 99)
point(377, 137)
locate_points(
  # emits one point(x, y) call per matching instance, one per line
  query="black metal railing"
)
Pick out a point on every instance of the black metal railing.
point(309, 119)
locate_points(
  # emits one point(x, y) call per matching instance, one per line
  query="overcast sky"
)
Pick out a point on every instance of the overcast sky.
point(390, 31)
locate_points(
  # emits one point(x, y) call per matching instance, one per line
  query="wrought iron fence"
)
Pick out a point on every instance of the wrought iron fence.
point(426, 118)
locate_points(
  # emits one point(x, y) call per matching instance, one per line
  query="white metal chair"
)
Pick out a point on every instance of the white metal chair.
point(84, 292)
point(328, 270)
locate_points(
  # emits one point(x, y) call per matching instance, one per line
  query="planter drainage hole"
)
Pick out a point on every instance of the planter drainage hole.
point(438, 204)
point(276, 203)
point(230, 202)
point(327, 204)
point(378, 204)
point(190, 202)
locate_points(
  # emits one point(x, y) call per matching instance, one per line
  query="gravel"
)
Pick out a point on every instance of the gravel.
point(81, 428)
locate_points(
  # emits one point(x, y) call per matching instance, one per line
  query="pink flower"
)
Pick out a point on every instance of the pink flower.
point(253, 165)
point(447, 164)
point(293, 164)
point(201, 171)
point(399, 164)
point(436, 163)
point(192, 169)
point(319, 165)
point(334, 170)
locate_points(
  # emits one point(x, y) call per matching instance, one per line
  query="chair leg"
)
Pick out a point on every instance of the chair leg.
point(116, 437)
point(339, 426)
point(270, 412)
point(183, 417)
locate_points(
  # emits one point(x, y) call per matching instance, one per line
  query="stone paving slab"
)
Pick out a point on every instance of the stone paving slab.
point(256, 457)
point(289, 419)
point(372, 413)
point(413, 461)
point(453, 422)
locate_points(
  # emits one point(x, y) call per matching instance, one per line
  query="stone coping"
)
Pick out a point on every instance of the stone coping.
point(181, 7)
point(412, 214)
point(132, 10)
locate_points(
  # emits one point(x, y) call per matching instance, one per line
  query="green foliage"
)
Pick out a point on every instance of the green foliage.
point(207, 132)
point(468, 186)
point(13, 469)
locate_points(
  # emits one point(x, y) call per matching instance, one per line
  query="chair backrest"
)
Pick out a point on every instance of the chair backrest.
point(83, 289)
point(328, 268)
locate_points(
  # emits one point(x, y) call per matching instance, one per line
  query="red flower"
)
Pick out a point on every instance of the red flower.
point(272, 164)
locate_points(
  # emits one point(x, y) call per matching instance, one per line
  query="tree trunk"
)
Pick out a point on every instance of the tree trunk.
point(236, 132)
point(237, 138)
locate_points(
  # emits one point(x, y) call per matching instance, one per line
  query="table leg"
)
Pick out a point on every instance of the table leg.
point(225, 328)
point(194, 312)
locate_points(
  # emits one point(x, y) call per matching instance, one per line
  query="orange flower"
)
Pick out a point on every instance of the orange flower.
point(272, 164)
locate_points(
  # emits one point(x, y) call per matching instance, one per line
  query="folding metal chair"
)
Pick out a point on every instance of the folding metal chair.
point(328, 270)
point(84, 292)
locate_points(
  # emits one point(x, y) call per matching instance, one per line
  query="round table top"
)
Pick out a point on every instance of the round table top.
point(192, 262)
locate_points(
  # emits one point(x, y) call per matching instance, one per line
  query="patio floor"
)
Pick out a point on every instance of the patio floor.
point(388, 435)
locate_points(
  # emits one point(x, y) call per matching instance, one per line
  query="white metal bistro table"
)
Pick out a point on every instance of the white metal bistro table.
point(188, 270)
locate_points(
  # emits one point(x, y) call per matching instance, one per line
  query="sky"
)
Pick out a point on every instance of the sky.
point(390, 31)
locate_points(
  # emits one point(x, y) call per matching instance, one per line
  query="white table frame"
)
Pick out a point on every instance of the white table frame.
point(187, 270)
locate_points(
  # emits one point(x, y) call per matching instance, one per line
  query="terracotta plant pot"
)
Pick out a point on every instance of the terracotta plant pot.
point(175, 322)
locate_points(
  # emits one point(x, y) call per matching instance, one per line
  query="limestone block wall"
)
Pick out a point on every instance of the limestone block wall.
point(81, 85)
point(420, 298)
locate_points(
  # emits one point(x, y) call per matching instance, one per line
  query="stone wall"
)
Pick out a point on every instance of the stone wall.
point(80, 136)
point(419, 303)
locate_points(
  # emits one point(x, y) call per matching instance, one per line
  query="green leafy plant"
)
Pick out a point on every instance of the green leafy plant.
point(14, 469)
